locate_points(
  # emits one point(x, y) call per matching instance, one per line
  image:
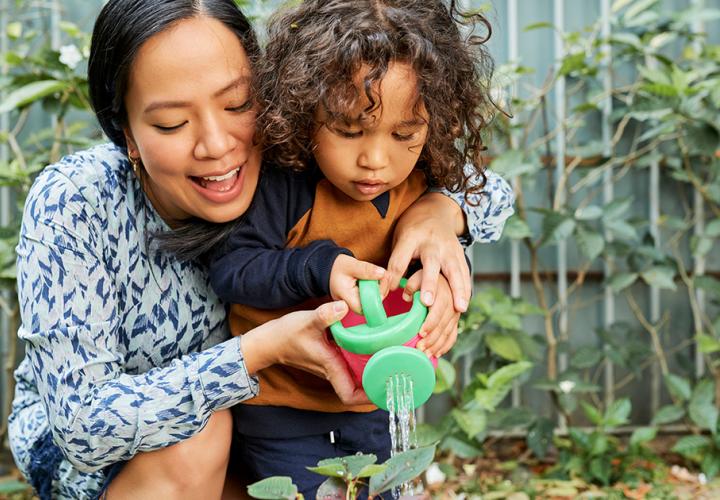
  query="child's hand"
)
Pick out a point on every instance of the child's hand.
point(345, 272)
point(440, 329)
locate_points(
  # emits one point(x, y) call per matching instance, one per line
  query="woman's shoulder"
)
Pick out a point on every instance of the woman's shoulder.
point(95, 177)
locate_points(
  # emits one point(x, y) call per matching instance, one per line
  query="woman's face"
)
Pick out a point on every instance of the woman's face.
point(191, 120)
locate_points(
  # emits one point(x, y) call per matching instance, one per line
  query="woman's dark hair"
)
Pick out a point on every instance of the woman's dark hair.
point(316, 48)
point(121, 29)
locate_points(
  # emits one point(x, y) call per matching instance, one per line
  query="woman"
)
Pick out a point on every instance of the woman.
point(128, 371)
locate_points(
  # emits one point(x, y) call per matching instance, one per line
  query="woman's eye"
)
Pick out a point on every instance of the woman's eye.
point(240, 108)
point(171, 128)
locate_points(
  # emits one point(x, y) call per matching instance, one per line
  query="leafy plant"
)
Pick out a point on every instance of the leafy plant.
point(347, 475)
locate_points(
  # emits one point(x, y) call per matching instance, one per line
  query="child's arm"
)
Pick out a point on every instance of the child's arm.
point(254, 268)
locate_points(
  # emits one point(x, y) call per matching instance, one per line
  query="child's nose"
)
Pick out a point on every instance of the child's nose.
point(373, 156)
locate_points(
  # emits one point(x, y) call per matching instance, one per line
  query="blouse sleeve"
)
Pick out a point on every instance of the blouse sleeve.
point(98, 414)
point(488, 210)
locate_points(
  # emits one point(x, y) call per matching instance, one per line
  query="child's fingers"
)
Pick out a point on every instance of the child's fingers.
point(399, 261)
point(352, 297)
point(448, 339)
point(359, 269)
point(412, 285)
point(433, 329)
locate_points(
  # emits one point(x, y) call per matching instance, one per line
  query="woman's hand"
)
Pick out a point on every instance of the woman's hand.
point(298, 339)
point(428, 231)
point(346, 271)
point(440, 329)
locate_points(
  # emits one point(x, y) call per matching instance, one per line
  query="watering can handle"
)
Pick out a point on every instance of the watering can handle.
point(371, 301)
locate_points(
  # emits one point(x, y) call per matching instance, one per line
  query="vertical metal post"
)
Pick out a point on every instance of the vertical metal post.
point(609, 299)
point(699, 221)
point(513, 53)
point(654, 216)
point(559, 52)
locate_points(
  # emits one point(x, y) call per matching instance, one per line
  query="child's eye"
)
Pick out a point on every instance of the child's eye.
point(241, 108)
point(171, 128)
point(404, 137)
point(348, 134)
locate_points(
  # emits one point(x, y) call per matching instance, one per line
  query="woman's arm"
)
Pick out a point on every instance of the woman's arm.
point(71, 315)
point(429, 231)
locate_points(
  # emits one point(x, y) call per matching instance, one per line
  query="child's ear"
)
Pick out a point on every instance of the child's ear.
point(132, 148)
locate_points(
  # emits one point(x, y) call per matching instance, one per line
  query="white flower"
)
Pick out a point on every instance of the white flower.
point(566, 386)
point(70, 56)
point(434, 475)
point(702, 478)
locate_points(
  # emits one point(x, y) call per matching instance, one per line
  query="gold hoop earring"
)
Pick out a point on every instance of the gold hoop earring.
point(135, 162)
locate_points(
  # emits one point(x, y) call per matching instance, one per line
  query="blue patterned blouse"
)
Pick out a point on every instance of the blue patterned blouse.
point(127, 349)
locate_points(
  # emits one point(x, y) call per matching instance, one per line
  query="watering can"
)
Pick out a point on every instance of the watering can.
point(380, 343)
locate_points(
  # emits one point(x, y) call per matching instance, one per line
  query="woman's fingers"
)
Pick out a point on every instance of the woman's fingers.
point(329, 313)
point(458, 276)
point(398, 263)
point(428, 287)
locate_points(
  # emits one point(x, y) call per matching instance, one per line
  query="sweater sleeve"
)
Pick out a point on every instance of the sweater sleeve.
point(71, 318)
point(255, 268)
point(487, 211)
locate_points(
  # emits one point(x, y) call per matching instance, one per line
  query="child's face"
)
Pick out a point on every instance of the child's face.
point(367, 157)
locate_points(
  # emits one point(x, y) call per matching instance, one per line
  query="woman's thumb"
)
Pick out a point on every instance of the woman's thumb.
point(329, 313)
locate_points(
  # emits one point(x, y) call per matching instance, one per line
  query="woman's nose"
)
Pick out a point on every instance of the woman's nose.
point(215, 140)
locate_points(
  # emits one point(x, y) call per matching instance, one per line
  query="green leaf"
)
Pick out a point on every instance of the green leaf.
point(586, 357)
point(539, 25)
point(660, 277)
point(590, 243)
point(617, 413)
point(592, 413)
point(712, 230)
point(600, 468)
point(347, 467)
point(642, 435)
point(12, 486)
point(277, 487)
point(711, 464)
point(678, 386)
point(702, 409)
point(14, 30)
point(621, 281)
point(504, 346)
point(540, 436)
point(461, 447)
point(445, 376)
point(401, 468)
point(616, 208)
point(505, 375)
point(690, 446)
point(707, 344)
point(472, 422)
point(557, 226)
point(335, 469)
point(513, 163)
point(516, 228)
point(591, 212)
point(332, 489)
point(668, 414)
point(371, 470)
point(700, 246)
point(30, 93)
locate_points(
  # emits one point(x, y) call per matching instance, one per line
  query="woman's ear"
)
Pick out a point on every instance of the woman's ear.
point(132, 148)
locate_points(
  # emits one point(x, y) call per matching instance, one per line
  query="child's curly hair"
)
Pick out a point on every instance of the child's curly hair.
point(316, 48)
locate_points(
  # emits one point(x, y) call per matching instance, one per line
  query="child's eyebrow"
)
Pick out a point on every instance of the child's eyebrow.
point(413, 122)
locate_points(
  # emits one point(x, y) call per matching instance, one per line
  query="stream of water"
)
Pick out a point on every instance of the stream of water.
point(402, 425)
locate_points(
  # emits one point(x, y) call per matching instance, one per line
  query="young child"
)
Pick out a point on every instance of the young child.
point(365, 104)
